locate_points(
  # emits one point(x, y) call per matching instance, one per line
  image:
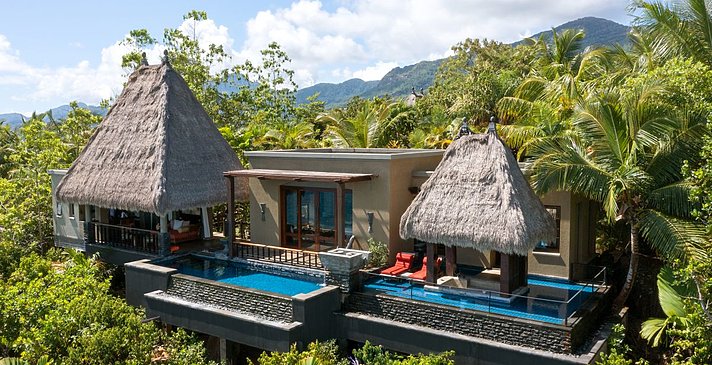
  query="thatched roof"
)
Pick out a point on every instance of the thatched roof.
point(478, 198)
point(157, 150)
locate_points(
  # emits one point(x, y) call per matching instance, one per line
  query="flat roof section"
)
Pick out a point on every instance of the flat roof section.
point(298, 175)
point(348, 153)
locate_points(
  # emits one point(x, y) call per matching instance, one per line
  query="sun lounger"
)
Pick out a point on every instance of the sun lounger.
point(403, 263)
point(422, 273)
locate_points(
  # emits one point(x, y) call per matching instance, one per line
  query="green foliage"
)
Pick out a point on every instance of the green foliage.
point(37, 146)
point(317, 353)
point(375, 355)
point(63, 309)
point(378, 253)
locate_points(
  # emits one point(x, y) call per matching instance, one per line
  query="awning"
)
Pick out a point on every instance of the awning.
point(299, 175)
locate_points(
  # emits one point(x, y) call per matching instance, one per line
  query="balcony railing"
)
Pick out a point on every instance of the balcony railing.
point(128, 238)
point(280, 255)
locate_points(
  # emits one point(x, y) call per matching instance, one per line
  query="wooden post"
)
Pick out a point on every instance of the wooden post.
point(207, 230)
point(230, 216)
point(513, 273)
point(450, 260)
point(339, 214)
point(164, 239)
point(430, 265)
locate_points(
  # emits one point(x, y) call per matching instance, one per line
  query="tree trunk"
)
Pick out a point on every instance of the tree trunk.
point(619, 302)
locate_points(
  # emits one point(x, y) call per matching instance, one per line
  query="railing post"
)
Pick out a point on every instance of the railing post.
point(231, 216)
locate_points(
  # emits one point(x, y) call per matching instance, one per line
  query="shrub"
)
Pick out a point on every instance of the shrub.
point(379, 253)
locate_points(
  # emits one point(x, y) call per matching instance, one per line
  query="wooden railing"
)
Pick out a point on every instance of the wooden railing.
point(133, 239)
point(280, 255)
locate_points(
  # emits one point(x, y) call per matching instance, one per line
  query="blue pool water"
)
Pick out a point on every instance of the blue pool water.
point(236, 274)
point(542, 302)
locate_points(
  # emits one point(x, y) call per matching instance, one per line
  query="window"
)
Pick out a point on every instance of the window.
point(82, 212)
point(309, 217)
point(552, 246)
point(71, 211)
point(59, 209)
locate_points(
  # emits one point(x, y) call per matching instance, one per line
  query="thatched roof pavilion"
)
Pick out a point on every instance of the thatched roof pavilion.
point(157, 150)
point(478, 198)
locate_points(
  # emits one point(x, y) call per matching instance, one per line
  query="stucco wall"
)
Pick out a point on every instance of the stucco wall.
point(386, 195)
point(68, 231)
point(578, 231)
point(401, 178)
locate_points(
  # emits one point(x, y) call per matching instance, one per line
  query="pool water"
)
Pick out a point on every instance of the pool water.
point(542, 302)
point(235, 274)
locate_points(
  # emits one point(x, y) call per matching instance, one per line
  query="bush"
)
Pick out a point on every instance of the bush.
point(379, 253)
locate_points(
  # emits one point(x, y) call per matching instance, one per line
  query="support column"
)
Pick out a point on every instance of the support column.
point(164, 241)
point(513, 273)
point(230, 234)
point(340, 214)
point(88, 226)
point(450, 260)
point(207, 231)
point(430, 265)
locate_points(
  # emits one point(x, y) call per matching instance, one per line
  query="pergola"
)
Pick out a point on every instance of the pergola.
point(337, 178)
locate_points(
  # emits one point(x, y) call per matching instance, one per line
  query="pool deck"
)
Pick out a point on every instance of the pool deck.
point(273, 322)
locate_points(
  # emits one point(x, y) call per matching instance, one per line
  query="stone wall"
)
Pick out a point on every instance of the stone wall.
point(228, 297)
point(465, 322)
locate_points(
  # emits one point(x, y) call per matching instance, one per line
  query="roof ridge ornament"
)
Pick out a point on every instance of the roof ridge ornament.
point(492, 128)
point(464, 128)
point(164, 59)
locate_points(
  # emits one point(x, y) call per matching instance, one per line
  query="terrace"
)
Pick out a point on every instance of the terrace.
point(273, 299)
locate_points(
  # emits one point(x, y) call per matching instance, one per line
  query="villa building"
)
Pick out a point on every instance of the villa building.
point(514, 285)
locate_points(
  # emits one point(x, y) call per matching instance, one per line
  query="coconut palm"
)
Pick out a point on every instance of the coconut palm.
point(361, 130)
point(682, 28)
point(629, 158)
point(289, 135)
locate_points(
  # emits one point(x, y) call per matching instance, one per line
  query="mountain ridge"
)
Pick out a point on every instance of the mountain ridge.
point(400, 81)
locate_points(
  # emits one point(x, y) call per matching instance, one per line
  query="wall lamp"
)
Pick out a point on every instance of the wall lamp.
point(263, 207)
point(370, 221)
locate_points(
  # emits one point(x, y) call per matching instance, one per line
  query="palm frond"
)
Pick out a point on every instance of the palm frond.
point(673, 199)
point(673, 237)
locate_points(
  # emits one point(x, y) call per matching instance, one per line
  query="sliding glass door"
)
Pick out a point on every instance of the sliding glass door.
point(309, 217)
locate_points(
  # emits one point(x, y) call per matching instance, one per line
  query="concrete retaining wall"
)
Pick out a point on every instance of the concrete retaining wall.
point(465, 322)
point(260, 304)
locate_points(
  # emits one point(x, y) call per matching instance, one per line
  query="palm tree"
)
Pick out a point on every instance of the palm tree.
point(629, 157)
point(361, 130)
point(289, 135)
point(681, 29)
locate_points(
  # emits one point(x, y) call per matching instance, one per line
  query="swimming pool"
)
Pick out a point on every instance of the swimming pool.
point(546, 300)
point(276, 281)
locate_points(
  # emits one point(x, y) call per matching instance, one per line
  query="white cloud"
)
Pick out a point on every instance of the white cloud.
point(363, 39)
point(368, 33)
point(375, 72)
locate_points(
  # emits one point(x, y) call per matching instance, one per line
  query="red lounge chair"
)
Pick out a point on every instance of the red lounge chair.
point(422, 273)
point(403, 264)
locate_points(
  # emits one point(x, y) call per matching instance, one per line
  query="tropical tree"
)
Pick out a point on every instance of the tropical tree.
point(681, 28)
point(628, 157)
point(363, 129)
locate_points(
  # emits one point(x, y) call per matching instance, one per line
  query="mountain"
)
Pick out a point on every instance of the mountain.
point(336, 94)
point(599, 32)
point(12, 119)
point(401, 80)
point(60, 112)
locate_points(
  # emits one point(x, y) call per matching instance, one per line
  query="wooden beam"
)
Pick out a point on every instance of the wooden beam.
point(300, 175)
point(430, 265)
point(450, 260)
point(340, 214)
point(230, 215)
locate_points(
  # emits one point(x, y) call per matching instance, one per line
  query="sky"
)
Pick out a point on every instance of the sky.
point(54, 52)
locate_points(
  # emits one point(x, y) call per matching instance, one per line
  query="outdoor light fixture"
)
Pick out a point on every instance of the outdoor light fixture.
point(370, 221)
point(263, 207)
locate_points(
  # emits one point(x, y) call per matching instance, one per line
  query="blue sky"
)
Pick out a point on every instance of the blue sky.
point(53, 52)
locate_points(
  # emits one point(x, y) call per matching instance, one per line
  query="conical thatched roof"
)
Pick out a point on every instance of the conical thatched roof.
point(157, 150)
point(478, 198)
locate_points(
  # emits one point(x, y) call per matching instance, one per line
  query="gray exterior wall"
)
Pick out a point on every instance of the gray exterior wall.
point(68, 229)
